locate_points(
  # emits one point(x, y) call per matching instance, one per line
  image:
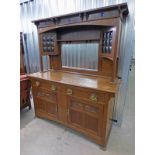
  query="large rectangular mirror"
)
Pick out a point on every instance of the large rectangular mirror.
point(82, 56)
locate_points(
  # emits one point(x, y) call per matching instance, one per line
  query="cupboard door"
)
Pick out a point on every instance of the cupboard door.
point(46, 104)
point(84, 116)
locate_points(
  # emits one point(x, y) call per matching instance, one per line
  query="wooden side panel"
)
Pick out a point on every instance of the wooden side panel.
point(109, 116)
point(107, 66)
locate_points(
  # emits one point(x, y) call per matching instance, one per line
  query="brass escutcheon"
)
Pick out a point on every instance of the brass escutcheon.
point(93, 97)
point(69, 92)
point(53, 88)
point(37, 83)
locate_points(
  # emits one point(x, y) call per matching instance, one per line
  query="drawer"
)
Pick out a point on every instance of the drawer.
point(44, 85)
point(86, 94)
point(80, 105)
point(46, 95)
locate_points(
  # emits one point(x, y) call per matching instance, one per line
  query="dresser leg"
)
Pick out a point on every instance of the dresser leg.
point(30, 106)
point(104, 148)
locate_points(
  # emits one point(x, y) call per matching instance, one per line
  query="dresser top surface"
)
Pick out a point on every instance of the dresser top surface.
point(86, 81)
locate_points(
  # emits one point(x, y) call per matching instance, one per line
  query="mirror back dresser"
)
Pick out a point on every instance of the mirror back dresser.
point(79, 89)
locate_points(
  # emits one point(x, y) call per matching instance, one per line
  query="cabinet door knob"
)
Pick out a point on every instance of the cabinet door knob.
point(69, 92)
point(53, 88)
point(93, 97)
point(37, 83)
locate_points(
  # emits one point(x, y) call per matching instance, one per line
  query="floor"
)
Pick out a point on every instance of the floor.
point(42, 137)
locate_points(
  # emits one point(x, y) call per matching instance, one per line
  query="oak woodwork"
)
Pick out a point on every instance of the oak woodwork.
point(80, 99)
point(76, 100)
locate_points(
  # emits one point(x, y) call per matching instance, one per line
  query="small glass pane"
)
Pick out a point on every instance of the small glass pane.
point(80, 55)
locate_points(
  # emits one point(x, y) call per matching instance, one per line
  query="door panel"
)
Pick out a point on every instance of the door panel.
point(41, 106)
point(47, 107)
point(91, 123)
point(51, 108)
point(77, 118)
point(45, 103)
point(84, 115)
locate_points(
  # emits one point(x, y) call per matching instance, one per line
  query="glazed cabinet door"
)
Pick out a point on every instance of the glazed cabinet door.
point(85, 116)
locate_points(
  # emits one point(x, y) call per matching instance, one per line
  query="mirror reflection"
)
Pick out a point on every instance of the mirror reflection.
point(80, 55)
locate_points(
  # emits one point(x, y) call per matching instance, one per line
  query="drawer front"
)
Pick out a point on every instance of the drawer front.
point(86, 107)
point(44, 85)
point(86, 94)
point(46, 95)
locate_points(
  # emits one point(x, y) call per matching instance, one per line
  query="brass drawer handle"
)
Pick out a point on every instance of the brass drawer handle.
point(53, 88)
point(93, 97)
point(37, 83)
point(69, 92)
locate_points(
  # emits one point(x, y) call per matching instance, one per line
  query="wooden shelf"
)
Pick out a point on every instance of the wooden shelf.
point(48, 53)
point(79, 40)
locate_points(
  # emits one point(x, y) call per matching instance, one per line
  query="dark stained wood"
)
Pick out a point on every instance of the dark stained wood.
point(79, 33)
point(121, 10)
point(80, 99)
point(105, 22)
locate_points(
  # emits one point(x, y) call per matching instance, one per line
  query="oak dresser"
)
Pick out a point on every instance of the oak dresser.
point(80, 88)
